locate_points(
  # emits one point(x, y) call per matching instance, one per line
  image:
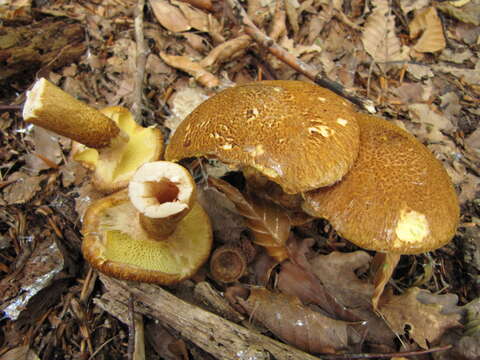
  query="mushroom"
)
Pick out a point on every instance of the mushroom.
point(296, 134)
point(154, 231)
point(115, 146)
point(397, 199)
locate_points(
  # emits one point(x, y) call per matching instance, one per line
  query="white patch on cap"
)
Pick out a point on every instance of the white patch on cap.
point(412, 227)
point(321, 99)
point(323, 130)
point(226, 146)
point(342, 122)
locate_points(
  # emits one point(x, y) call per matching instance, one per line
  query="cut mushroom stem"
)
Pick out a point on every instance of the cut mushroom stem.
point(52, 108)
point(163, 193)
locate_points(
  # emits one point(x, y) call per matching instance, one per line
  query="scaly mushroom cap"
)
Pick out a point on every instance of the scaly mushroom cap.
point(397, 198)
point(144, 145)
point(297, 134)
point(116, 244)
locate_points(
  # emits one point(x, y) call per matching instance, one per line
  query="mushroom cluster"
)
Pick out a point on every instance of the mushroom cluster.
point(379, 187)
point(152, 231)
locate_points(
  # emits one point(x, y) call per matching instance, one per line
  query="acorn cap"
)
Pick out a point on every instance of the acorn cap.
point(116, 244)
point(297, 134)
point(397, 198)
point(113, 173)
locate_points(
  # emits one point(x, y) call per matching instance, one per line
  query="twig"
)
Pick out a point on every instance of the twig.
point(386, 355)
point(141, 60)
point(10, 107)
point(258, 36)
point(131, 328)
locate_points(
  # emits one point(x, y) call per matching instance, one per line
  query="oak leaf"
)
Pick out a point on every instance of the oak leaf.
point(286, 317)
point(269, 223)
point(426, 321)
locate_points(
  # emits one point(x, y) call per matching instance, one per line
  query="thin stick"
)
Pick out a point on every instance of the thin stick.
point(131, 328)
point(141, 61)
point(313, 74)
point(386, 355)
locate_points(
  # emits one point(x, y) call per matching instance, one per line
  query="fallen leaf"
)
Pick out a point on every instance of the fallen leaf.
point(427, 23)
point(268, 222)
point(338, 272)
point(410, 5)
point(226, 51)
point(169, 16)
point(23, 189)
point(456, 56)
point(227, 224)
point(182, 103)
point(468, 13)
point(296, 324)
point(46, 146)
point(195, 17)
point(191, 67)
point(432, 121)
point(426, 321)
point(379, 38)
point(22, 352)
point(470, 76)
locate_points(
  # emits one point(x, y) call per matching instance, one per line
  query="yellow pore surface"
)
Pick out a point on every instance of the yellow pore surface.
point(116, 244)
point(144, 145)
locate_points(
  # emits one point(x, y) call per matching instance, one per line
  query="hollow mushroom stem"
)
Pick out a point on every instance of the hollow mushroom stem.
point(163, 193)
point(52, 108)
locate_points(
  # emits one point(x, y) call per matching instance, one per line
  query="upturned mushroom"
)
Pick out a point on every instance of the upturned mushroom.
point(397, 199)
point(295, 134)
point(154, 231)
point(115, 145)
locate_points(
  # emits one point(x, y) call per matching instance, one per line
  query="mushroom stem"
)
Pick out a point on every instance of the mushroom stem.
point(163, 193)
point(52, 108)
point(383, 266)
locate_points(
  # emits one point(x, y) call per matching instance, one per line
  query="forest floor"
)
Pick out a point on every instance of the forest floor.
point(417, 63)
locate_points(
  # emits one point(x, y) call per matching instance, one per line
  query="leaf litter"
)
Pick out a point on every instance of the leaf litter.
point(192, 52)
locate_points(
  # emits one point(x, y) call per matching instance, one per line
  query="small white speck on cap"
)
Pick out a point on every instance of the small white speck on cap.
point(342, 122)
point(226, 146)
point(323, 130)
point(322, 99)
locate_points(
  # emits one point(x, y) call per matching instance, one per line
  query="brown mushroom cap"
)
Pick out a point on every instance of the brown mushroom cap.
point(115, 243)
point(397, 198)
point(297, 134)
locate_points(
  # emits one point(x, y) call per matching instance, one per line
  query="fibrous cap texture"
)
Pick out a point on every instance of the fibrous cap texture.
point(297, 134)
point(397, 198)
point(115, 243)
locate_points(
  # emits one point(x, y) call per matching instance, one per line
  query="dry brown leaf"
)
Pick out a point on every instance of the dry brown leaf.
point(196, 18)
point(432, 121)
point(23, 188)
point(379, 38)
point(427, 23)
point(337, 266)
point(169, 16)
point(426, 321)
point(291, 7)
point(468, 13)
point(269, 222)
point(338, 272)
point(410, 5)
point(22, 352)
point(184, 63)
point(226, 51)
point(296, 324)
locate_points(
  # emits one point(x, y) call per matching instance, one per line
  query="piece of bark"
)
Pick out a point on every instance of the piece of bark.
point(215, 335)
point(43, 44)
